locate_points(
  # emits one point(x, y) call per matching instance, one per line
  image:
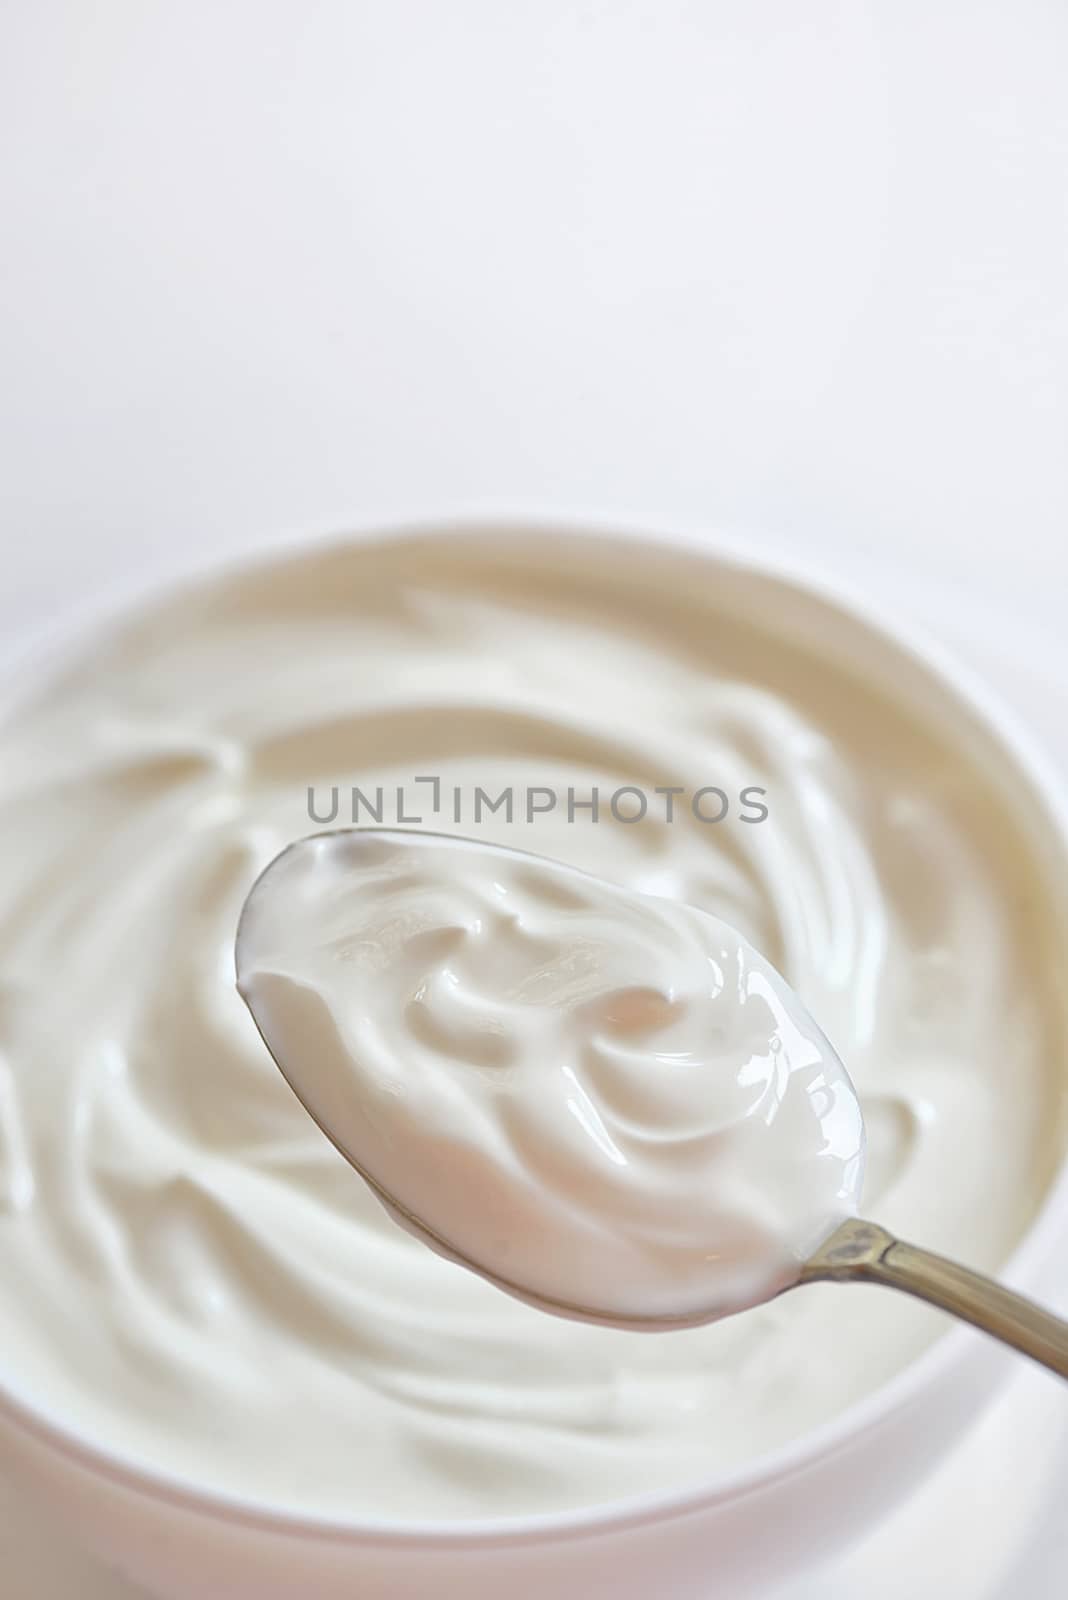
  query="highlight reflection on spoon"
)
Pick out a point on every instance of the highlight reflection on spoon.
point(604, 1102)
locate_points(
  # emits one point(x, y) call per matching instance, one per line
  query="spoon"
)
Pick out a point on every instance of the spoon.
point(379, 921)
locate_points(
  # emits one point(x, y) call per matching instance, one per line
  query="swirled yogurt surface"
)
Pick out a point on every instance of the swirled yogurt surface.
point(193, 1277)
point(605, 1100)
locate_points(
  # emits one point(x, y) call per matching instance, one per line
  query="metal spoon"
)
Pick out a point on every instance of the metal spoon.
point(857, 1252)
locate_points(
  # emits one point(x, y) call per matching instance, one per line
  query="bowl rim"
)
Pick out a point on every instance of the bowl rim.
point(52, 640)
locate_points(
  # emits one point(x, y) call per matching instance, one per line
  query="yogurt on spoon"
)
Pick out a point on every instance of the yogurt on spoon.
point(606, 1102)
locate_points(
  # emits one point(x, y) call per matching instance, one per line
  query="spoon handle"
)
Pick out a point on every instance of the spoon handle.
point(861, 1252)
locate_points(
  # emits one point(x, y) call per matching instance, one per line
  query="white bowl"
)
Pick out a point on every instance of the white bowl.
point(730, 1535)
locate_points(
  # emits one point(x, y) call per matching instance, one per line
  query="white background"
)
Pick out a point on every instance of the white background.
point(792, 269)
point(797, 269)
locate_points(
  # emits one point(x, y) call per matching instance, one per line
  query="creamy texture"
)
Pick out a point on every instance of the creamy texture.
point(602, 1099)
point(191, 1274)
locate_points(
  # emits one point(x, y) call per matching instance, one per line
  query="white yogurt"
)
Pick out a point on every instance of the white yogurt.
point(602, 1099)
point(192, 1275)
